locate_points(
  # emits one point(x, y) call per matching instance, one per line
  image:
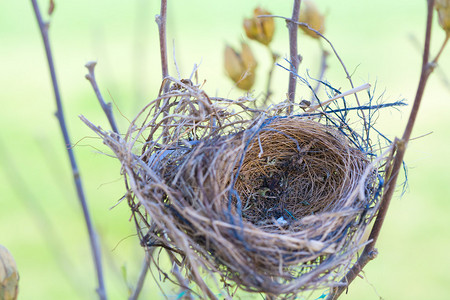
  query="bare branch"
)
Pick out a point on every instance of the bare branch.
point(294, 56)
point(391, 177)
point(269, 76)
point(142, 275)
point(434, 62)
point(107, 109)
point(183, 282)
point(323, 68)
point(348, 76)
point(161, 21)
point(95, 248)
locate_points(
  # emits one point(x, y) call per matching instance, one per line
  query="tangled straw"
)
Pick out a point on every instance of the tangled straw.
point(271, 204)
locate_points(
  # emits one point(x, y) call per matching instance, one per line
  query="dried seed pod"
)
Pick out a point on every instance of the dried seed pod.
point(260, 29)
point(9, 276)
point(443, 10)
point(240, 67)
point(248, 60)
point(310, 15)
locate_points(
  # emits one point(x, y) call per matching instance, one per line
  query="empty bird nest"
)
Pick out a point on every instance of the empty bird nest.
point(272, 204)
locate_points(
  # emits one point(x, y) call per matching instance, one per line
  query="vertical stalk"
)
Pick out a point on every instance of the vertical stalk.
point(95, 248)
point(369, 251)
point(269, 76)
point(294, 57)
point(161, 21)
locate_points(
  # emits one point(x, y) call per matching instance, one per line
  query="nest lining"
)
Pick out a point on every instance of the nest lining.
point(266, 202)
point(296, 168)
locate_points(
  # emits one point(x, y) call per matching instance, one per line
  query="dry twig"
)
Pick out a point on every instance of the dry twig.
point(142, 275)
point(294, 56)
point(161, 21)
point(95, 247)
point(107, 108)
point(323, 68)
point(269, 77)
point(400, 146)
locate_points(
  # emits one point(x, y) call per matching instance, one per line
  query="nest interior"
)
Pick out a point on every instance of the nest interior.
point(296, 168)
point(271, 204)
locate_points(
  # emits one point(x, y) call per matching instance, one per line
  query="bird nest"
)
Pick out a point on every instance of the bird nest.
point(271, 204)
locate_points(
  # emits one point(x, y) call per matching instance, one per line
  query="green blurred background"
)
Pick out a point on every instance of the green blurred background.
point(40, 217)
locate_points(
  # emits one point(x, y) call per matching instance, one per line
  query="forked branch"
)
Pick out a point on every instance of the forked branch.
point(107, 108)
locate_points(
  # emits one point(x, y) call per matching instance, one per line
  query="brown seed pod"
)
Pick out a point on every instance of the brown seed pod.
point(260, 29)
point(240, 67)
point(443, 10)
point(9, 276)
point(310, 15)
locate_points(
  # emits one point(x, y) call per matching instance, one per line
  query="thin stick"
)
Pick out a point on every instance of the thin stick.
point(348, 76)
point(95, 248)
point(142, 275)
point(370, 252)
point(295, 58)
point(183, 282)
point(107, 109)
point(161, 21)
point(323, 68)
point(442, 49)
point(269, 76)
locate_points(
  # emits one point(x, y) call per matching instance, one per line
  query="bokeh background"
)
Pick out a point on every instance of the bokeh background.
point(40, 218)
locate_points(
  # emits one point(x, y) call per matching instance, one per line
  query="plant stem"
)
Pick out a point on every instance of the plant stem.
point(447, 36)
point(161, 21)
point(105, 106)
point(369, 251)
point(294, 57)
point(291, 21)
point(142, 275)
point(269, 76)
point(95, 248)
point(323, 68)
